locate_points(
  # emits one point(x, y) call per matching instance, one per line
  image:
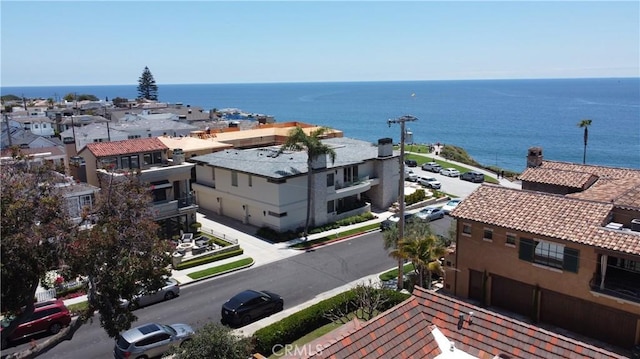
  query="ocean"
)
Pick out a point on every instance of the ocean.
point(496, 121)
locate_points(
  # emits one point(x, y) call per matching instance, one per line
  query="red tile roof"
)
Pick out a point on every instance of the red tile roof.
point(623, 192)
point(571, 179)
point(549, 215)
point(406, 331)
point(600, 171)
point(115, 148)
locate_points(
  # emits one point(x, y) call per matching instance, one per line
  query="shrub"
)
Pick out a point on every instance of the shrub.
point(309, 319)
point(209, 259)
point(417, 196)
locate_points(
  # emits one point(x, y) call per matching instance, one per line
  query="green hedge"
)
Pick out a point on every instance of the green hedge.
point(309, 319)
point(418, 196)
point(275, 236)
point(209, 259)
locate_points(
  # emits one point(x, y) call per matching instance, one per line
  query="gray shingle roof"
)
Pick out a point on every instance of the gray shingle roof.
point(262, 162)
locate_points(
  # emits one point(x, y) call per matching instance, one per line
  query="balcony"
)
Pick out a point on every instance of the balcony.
point(172, 208)
point(618, 284)
point(346, 189)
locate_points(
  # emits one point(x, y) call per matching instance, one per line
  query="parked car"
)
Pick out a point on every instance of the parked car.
point(450, 172)
point(168, 292)
point(430, 182)
point(409, 175)
point(431, 167)
point(430, 213)
point(249, 305)
point(47, 317)
point(394, 219)
point(451, 205)
point(411, 163)
point(472, 176)
point(150, 340)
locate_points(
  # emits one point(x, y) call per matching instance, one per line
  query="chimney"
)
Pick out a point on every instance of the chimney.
point(385, 147)
point(70, 146)
point(178, 156)
point(534, 157)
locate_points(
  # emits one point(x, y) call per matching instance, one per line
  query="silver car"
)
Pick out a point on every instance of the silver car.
point(169, 291)
point(150, 340)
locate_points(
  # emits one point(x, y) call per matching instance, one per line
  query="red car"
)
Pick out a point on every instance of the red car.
point(48, 317)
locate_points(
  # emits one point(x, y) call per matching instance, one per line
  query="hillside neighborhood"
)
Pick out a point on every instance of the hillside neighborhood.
point(546, 266)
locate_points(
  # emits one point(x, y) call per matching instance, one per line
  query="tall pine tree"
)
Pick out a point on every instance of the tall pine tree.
point(147, 88)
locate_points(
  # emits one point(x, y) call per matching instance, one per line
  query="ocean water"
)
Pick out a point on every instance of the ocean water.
point(496, 121)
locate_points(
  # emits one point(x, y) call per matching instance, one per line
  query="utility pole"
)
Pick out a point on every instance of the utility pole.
point(401, 121)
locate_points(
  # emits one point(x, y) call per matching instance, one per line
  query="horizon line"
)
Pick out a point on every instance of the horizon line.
point(345, 81)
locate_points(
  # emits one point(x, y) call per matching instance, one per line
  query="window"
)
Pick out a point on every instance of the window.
point(549, 254)
point(466, 229)
point(488, 234)
point(511, 239)
point(152, 158)
point(274, 214)
point(234, 178)
point(331, 207)
point(350, 174)
point(330, 179)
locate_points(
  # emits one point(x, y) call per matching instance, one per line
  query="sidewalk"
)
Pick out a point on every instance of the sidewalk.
point(263, 251)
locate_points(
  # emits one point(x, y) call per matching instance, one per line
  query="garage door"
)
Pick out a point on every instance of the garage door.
point(512, 295)
point(591, 319)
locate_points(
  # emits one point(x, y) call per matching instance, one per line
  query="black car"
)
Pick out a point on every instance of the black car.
point(411, 163)
point(472, 176)
point(249, 305)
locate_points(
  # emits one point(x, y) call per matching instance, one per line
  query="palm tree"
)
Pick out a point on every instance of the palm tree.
point(585, 124)
point(298, 140)
point(423, 249)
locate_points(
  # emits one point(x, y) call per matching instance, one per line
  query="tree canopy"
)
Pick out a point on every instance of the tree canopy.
point(117, 253)
point(214, 341)
point(147, 88)
point(298, 140)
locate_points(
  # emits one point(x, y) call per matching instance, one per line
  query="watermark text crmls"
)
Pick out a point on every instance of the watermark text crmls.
point(280, 350)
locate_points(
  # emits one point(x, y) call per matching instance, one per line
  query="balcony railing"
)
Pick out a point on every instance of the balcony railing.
point(170, 208)
point(619, 288)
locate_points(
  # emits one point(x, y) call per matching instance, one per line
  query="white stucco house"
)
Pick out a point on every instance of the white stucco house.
point(259, 187)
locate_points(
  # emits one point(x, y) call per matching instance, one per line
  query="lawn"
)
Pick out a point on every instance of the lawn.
point(336, 236)
point(392, 274)
point(245, 262)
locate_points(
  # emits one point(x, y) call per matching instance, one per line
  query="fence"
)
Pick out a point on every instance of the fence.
point(222, 236)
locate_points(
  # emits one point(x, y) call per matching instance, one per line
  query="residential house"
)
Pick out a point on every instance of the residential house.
point(564, 250)
point(430, 325)
point(264, 188)
point(78, 197)
point(92, 132)
point(169, 178)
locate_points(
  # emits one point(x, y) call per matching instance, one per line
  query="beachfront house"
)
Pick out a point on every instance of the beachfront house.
point(264, 188)
point(564, 250)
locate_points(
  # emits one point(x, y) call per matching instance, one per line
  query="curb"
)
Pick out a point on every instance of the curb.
point(320, 244)
point(219, 274)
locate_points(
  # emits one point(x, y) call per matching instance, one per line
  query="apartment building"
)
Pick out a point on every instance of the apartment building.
point(564, 250)
point(261, 187)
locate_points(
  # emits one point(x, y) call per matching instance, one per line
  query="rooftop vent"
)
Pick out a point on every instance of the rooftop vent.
point(614, 225)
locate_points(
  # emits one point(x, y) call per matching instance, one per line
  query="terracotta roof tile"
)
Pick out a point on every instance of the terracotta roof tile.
point(600, 171)
point(544, 214)
point(572, 179)
point(104, 149)
point(623, 192)
point(489, 334)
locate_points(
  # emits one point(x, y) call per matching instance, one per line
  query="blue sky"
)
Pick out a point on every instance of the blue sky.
point(110, 43)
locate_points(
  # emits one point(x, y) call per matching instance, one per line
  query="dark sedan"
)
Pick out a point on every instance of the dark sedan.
point(250, 305)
